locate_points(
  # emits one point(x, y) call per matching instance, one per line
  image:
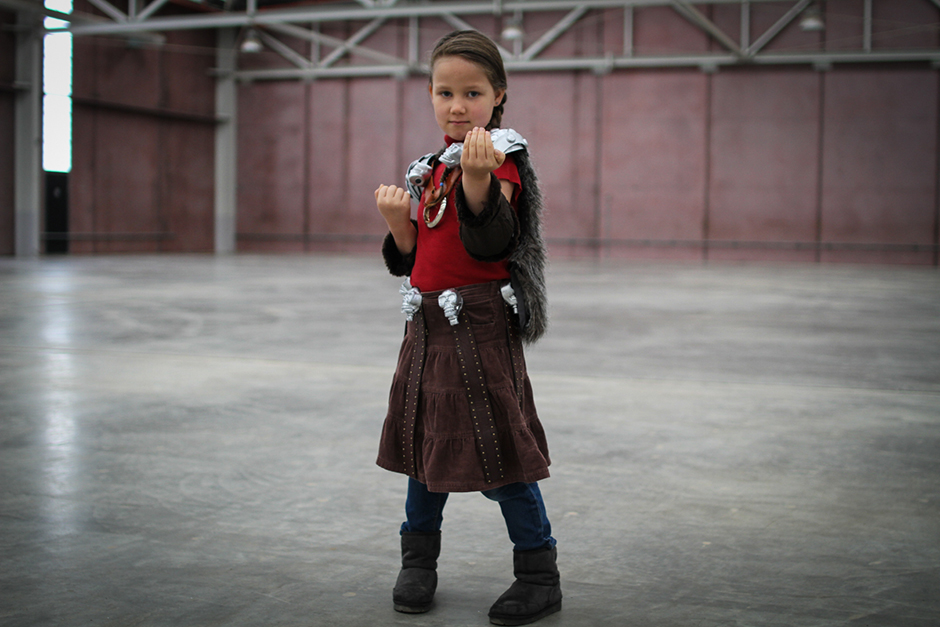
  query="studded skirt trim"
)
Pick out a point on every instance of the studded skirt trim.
point(461, 417)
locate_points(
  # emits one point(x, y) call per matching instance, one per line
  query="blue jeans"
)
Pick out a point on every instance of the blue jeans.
point(521, 504)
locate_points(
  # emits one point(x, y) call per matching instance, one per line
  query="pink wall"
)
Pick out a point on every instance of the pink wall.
point(764, 159)
point(759, 163)
point(880, 171)
point(749, 163)
point(143, 141)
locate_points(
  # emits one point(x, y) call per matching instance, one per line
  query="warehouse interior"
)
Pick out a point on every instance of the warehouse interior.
point(741, 380)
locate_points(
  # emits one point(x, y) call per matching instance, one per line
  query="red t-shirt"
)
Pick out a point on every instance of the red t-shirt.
point(441, 261)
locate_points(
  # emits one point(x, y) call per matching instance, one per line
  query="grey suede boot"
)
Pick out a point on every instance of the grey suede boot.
point(417, 581)
point(534, 594)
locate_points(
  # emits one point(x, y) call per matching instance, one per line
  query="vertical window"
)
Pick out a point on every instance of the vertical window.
point(57, 91)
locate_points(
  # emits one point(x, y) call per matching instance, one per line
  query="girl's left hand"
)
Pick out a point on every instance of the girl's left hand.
point(479, 156)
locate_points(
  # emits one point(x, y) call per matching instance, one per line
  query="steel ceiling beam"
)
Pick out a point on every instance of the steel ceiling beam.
point(110, 10)
point(553, 33)
point(460, 24)
point(602, 65)
point(294, 22)
point(32, 6)
point(283, 49)
point(696, 17)
point(152, 8)
point(320, 13)
point(353, 41)
point(780, 24)
point(311, 35)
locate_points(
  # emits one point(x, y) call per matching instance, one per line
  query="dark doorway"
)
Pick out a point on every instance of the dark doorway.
point(57, 213)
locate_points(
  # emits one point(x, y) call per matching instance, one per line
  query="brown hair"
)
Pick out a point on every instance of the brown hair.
point(480, 50)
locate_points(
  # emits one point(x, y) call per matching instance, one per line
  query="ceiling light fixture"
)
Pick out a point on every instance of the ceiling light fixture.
point(512, 29)
point(251, 44)
point(812, 20)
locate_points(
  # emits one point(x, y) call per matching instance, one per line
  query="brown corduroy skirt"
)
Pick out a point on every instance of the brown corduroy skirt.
point(471, 424)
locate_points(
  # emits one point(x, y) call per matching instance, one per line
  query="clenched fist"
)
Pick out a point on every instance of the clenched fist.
point(394, 204)
point(479, 156)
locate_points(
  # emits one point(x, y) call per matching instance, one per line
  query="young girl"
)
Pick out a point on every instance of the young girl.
point(461, 416)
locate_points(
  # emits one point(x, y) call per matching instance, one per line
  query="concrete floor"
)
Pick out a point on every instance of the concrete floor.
point(189, 441)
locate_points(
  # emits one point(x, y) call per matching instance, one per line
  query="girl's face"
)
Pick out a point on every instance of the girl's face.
point(462, 96)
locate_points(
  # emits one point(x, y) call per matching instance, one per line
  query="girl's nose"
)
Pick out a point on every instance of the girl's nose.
point(457, 105)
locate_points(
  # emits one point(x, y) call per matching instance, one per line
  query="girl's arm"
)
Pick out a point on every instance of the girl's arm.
point(478, 160)
point(394, 204)
point(488, 224)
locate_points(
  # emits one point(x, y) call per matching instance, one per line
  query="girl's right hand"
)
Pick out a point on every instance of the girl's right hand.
point(394, 204)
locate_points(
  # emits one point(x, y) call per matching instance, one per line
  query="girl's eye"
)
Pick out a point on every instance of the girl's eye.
point(445, 94)
point(473, 94)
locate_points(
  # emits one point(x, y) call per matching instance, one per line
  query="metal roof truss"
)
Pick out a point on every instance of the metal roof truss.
point(138, 19)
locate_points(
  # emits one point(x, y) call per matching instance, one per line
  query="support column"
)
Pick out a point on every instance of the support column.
point(28, 135)
point(226, 138)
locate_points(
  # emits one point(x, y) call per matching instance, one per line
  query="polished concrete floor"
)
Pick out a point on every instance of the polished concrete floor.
point(189, 441)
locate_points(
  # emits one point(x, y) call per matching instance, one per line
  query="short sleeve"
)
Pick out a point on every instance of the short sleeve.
point(509, 172)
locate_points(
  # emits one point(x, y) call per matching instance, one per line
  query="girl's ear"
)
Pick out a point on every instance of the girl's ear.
point(499, 96)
